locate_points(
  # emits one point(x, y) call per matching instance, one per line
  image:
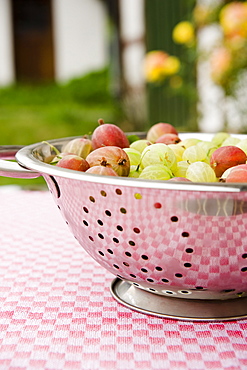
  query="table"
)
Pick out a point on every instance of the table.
point(57, 312)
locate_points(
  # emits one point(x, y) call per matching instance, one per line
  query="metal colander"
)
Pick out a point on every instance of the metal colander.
point(177, 249)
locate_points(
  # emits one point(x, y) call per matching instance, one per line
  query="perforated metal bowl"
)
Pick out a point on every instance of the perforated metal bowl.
point(177, 249)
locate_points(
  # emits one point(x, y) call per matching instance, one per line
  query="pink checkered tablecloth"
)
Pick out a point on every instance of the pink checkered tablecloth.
point(57, 311)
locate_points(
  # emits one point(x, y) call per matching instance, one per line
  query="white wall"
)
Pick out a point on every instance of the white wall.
point(6, 51)
point(132, 34)
point(210, 95)
point(80, 37)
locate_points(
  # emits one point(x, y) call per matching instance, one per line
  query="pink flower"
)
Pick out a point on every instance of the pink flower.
point(220, 62)
point(233, 19)
point(158, 65)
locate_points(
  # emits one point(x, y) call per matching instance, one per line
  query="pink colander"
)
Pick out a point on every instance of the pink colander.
point(178, 250)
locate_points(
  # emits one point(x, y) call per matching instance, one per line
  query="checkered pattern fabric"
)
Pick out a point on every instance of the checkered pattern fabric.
point(167, 241)
point(56, 310)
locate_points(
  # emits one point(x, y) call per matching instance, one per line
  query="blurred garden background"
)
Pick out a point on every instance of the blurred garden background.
point(64, 67)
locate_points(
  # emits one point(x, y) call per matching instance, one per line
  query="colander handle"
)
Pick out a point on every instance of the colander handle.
point(13, 169)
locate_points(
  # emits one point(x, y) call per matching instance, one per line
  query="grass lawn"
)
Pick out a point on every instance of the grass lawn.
point(29, 114)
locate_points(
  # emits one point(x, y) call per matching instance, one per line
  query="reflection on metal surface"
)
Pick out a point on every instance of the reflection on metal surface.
point(215, 207)
point(184, 309)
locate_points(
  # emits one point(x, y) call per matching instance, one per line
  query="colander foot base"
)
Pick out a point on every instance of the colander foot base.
point(177, 308)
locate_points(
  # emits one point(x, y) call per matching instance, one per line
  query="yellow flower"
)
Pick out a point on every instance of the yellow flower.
point(171, 65)
point(183, 33)
point(155, 74)
point(158, 65)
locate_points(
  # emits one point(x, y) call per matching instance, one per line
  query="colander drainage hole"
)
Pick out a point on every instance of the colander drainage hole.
point(228, 291)
point(92, 199)
point(110, 251)
point(85, 222)
point(185, 234)
point(244, 269)
point(56, 186)
point(144, 257)
point(184, 292)
point(119, 228)
point(189, 250)
point(115, 240)
point(157, 205)
point(85, 209)
point(100, 222)
point(144, 270)
point(240, 294)
point(108, 213)
point(158, 268)
point(165, 280)
point(168, 292)
point(174, 219)
point(244, 255)
point(187, 265)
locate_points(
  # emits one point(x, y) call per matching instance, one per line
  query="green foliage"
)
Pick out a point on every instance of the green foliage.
point(31, 113)
point(90, 88)
point(173, 102)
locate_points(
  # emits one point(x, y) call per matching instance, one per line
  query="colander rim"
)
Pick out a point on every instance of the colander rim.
point(26, 158)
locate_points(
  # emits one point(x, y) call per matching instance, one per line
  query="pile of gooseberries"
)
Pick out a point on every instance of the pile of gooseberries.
point(162, 155)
